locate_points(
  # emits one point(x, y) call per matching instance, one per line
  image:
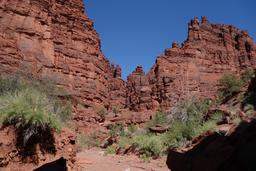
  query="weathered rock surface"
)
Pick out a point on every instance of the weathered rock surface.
point(55, 38)
point(117, 87)
point(194, 69)
point(139, 92)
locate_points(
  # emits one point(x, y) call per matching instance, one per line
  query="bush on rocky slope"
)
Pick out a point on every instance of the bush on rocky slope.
point(32, 106)
point(186, 121)
point(229, 85)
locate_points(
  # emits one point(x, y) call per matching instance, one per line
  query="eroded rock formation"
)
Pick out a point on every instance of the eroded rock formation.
point(210, 51)
point(117, 87)
point(139, 92)
point(55, 38)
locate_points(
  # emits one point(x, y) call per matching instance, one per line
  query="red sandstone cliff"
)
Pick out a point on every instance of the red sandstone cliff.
point(195, 68)
point(56, 39)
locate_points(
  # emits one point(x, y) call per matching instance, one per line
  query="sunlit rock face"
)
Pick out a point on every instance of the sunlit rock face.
point(55, 38)
point(194, 69)
point(139, 92)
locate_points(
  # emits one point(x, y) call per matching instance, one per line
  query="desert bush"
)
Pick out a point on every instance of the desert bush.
point(217, 116)
point(87, 141)
point(182, 132)
point(124, 142)
point(117, 130)
point(149, 145)
point(178, 133)
point(111, 149)
point(10, 84)
point(31, 107)
point(190, 109)
point(229, 85)
point(132, 128)
point(209, 125)
point(247, 75)
point(160, 118)
point(187, 121)
point(116, 110)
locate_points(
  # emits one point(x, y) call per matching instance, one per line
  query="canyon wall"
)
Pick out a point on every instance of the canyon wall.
point(194, 69)
point(56, 39)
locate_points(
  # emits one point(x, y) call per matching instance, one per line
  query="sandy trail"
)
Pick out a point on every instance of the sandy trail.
point(95, 160)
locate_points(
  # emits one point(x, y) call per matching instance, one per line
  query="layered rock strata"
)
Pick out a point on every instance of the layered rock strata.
point(194, 69)
point(55, 38)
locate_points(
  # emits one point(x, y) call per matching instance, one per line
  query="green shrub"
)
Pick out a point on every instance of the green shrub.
point(181, 129)
point(182, 132)
point(124, 142)
point(132, 128)
point(115, 110)
point(111, 149)
point(192, 109)
point(229, 85)
point(116, 130)
point(217, 116)
point(187, 122)
point(149, 145)
point(28, 109)
point(159, 118)
point(87, 141)
point(247, 75)
point(31, 107)
point(178, 133)
point(206, 126)
point(10, 84)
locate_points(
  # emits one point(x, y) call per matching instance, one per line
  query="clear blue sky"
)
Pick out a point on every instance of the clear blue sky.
point(135, 32)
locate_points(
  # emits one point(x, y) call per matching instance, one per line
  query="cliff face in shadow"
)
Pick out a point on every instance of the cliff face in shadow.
point(218, 152)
